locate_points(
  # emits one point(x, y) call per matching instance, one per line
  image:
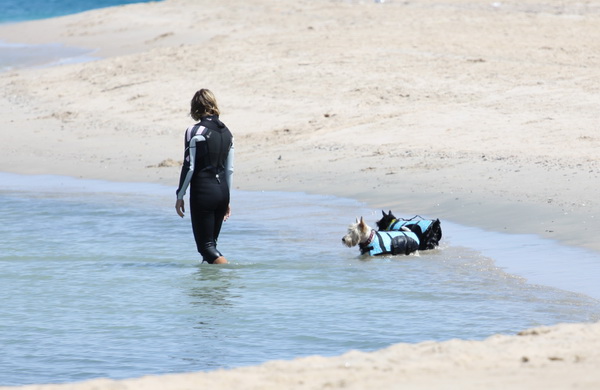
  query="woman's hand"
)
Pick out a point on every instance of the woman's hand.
point(227, 214)
point(180, 207)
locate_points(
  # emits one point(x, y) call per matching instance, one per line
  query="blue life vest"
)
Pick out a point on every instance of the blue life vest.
point(429, 231)
point(390, 243)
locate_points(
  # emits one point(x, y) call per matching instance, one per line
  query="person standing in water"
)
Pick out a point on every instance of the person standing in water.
point(208, 170)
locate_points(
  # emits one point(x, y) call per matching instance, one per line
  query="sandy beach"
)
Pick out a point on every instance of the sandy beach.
point(480, 113)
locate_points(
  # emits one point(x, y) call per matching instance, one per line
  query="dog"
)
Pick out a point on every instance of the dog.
point(386, 220)
point(429, 231)
point(374, 243)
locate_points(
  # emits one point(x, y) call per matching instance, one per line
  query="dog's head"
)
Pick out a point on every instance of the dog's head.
point(357, 232)
point(386, 220)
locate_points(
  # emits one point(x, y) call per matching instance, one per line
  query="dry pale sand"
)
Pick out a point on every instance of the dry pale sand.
point(482, 113)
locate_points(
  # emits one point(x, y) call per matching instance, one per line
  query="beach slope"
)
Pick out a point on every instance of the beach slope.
point(480, 113)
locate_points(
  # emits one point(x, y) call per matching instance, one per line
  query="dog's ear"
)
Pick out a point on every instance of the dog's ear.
point(383, 213)
point(362, 225)
point(357, 221)
point(389, 212)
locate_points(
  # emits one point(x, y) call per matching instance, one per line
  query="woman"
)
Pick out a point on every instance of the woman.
point(208, 169)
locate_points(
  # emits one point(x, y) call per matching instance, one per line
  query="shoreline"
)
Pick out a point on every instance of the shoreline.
point(540, 255)
point(481, 115)
point(49, 55)
point(535, 358)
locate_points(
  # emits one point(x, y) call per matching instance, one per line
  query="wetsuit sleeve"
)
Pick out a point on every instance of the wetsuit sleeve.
point(229, 167)
point(185, 169)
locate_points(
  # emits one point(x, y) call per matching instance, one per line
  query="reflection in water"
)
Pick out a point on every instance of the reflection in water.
point(212, 286)
point(211, 292)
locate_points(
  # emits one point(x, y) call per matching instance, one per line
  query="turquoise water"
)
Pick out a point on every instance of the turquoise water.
point(18, 11)
point(101, 279)
point(14, 55)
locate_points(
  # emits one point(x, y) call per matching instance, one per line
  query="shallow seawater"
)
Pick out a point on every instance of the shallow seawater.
point(20, 55)
point(101, 279)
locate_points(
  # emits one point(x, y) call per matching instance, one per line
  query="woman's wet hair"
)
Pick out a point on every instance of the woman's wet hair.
point(203, 104)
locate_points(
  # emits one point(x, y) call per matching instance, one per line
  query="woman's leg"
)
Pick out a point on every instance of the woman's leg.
point(219, 215)
point(203, 226)
point(207, 210)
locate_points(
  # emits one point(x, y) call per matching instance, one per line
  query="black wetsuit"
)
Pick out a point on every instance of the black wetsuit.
point(208, 167)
